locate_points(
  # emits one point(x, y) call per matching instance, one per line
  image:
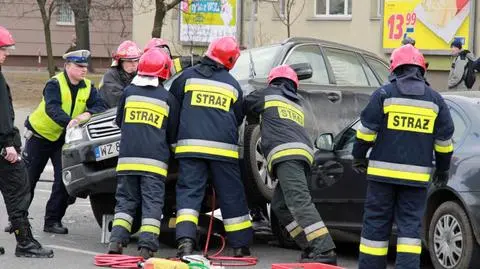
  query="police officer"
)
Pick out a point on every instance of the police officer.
point(211, 111)
point(179, 63)
point(404, 123)
point(14, 184)
point(120, 74)
point(68, 100)
point(147, 112)
point(289, 154)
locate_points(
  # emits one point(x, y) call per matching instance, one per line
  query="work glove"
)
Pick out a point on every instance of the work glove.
point(360, 166)
point(440, 178)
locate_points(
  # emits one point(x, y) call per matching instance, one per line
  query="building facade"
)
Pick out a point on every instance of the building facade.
point(357, 23)
point(23, 19)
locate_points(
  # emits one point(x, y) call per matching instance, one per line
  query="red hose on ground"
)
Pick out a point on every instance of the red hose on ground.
point(117, 261)
point(224, 260)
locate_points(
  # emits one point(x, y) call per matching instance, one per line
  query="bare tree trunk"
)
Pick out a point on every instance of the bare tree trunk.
point(160, 12)
point(48, 37)
point(81, 10)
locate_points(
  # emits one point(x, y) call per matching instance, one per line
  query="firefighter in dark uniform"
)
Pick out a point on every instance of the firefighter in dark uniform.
point(147, 113)
point(207, 141)
point(14, 184)
point(68, 100)
point(289, 153)
point(178, 64)
point(404, 123)
point(121, 72)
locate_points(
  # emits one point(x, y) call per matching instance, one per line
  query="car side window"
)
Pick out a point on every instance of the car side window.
point(459, 124)
point(310, 54)
point(372, 79)
point(347, 139)
point(380, 69)
point(346, 67)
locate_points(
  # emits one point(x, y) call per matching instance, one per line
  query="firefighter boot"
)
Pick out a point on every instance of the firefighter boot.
point(2, 251)
point(28, 246)
point(312, 255)
point(146, 253)
point(115, 248)
point(8, 228)
point(241, 252)
point(185, 247)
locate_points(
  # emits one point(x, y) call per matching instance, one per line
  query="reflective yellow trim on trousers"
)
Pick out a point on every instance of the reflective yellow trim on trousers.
point(207, 150)
point(409, 249)
point(317, 233)
point(150, 229)
point(295, 232)
point(190, 218)
point(373, 251)
point(288, 152)
point(238, 226)
point(366, 137)
point(142, 167)
point(444, 149)
point(398, 174)
point(122, 223)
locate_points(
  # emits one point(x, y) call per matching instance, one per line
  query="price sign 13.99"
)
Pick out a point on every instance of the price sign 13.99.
point(397, 22)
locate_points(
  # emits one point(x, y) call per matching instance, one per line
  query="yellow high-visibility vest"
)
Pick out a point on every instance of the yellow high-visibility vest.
point(46, 126)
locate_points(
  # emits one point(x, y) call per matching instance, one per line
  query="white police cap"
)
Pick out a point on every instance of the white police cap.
point(79, 57)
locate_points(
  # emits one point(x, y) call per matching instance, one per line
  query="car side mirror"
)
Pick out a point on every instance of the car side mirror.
point(325, 142)
point(303, 70)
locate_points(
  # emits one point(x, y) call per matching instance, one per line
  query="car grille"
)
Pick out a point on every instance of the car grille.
point(103, 128)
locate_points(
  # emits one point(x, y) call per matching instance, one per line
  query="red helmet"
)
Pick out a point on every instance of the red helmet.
point(283, 71)
point(407, 55)
point(224, 50)
point(156, 42)
point(127, 50)
point(155, 63)
point(6, 39)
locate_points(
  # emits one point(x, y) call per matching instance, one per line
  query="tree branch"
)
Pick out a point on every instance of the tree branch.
point(299, 13)
point(172, 4)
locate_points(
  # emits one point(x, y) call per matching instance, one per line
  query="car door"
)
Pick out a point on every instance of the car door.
point(339, 197)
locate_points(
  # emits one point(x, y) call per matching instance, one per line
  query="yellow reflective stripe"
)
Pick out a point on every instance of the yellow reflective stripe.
point(410, 110)
point(444, 149)
point(296, 231)
point(186, 217)
point(398, 174)
point(145, 105)
point(269, 104)
point(381, 251)
point(210, 88)
point(366, 137)
point(142, 168)
point(177, 64)
point(238, 226)
point(122, 223)
point(150, 229)
point(207, 150)
point(317, 233)
point(409, 249)
point(289, 152)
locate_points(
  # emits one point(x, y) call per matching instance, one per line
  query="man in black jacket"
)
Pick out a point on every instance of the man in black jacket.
point(13, 178)
point(289, 154)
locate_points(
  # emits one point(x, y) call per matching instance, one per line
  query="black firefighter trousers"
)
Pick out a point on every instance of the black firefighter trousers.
point(297, 213)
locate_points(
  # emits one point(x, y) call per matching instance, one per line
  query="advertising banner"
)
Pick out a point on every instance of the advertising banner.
point(201, 21)
point(434, 24)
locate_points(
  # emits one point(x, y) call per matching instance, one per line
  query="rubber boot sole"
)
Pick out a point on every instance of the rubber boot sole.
point(30, 255)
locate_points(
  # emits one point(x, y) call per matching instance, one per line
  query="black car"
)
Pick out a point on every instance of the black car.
point(452, 220)
point(338, 83)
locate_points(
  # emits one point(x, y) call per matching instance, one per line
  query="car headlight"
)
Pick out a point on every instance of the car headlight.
point(73, 134)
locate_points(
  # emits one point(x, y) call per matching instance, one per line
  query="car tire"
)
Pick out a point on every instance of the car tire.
point(441, 248)
point(259, 185)
point(104, 204)
point(283, 237)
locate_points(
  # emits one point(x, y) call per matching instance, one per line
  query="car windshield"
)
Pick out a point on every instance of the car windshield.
point(262, 60)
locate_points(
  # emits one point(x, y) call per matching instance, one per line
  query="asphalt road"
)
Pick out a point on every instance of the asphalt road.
point(78, 248)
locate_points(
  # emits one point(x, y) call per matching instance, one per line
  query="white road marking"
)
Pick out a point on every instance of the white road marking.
point(76, 250)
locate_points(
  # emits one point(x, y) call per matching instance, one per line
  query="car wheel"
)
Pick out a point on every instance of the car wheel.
point(283, 237)
point(259, 184)
point(104, 204)
point(451, 240)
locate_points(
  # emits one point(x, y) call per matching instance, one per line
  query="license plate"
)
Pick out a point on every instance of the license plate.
point(107, 151)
